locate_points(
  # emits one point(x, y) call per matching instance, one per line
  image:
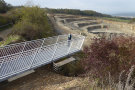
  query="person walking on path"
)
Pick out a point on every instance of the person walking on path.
point(69, 39)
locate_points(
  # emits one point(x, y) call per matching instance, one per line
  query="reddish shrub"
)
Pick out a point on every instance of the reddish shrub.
point(104, 56)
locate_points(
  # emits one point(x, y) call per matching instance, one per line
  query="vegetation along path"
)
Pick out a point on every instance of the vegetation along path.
point(4, 33)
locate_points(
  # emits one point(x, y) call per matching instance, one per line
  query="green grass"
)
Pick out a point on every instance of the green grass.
point(117, 19)
point(10, 39)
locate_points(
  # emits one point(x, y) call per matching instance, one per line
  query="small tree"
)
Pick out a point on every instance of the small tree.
point(4, 7)
point(32, 24)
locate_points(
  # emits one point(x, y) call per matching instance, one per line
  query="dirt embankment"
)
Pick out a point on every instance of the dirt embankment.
point(4, 33)
point(126, 27)
point(44, 79)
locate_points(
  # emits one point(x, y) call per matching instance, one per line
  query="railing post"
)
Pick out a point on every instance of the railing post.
point(81, 43)
point(55, 48)
point(38, 49)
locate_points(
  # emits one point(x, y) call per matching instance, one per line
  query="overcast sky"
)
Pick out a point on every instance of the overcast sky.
point(103, 6)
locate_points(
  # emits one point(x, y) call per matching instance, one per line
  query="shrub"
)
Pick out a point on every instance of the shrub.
point(28, 30)
point(104, 56)
point(33, 23)
point(72, 69)
point(10, 39)
point(1, 39)
point(132, 20)
point(4, 20)
point(4, 7)
point(14, 15)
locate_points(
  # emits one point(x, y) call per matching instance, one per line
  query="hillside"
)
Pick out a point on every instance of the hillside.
point(77, 12)
point(87, 13)
point(107, 50)
point(45, 78)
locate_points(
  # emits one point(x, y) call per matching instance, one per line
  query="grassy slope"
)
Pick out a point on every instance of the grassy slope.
point(116, 19)
point(5, 27)
point(10, 39)
point(16, 38)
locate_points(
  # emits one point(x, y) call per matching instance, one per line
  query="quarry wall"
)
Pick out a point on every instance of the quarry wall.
point(122, 25)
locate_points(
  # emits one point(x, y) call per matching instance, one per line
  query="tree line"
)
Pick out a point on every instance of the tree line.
point(77, 12)
point(86, 13)
point(4, 7)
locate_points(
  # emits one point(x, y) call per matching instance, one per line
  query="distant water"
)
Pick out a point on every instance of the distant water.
point(130, 15)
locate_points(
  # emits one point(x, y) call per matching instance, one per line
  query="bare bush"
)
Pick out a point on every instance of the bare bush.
point(114, 56)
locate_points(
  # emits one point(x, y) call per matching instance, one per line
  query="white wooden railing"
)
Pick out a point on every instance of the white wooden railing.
point(20, 57)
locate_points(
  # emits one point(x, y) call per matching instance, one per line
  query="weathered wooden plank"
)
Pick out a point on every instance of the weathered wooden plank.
point(66, 61)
